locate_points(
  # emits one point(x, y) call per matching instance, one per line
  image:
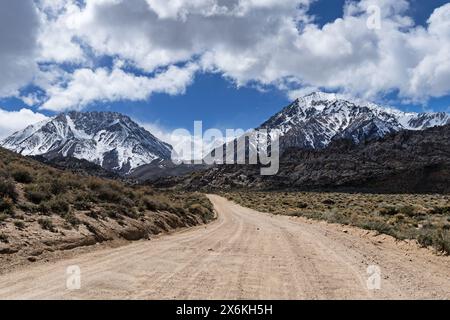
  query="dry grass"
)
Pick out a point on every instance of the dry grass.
point(32, 189)
point(425, 218)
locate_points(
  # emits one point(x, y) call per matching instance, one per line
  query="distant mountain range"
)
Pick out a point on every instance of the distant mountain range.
point(118, 144)
point(402, 162)
point(314, 121)
point(110, 140)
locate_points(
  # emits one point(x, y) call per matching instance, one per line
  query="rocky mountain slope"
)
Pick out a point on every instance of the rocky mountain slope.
point(108, 139)
point(402, 162)
point(314, 121)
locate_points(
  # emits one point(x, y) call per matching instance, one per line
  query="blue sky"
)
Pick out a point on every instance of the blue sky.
point(218, 88)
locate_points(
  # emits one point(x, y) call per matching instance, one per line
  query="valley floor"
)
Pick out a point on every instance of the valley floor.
point(245, 254)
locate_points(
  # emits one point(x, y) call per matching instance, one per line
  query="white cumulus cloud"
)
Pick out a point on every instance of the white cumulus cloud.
point(18, 44)
point(13, 121)
point(262, 42)
point(86, 86)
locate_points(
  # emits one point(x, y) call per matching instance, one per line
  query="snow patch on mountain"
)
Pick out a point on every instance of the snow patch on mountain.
point(108, 139)
point(317, 119)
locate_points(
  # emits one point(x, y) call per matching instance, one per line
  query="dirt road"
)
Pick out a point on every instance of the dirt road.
point(244, 255)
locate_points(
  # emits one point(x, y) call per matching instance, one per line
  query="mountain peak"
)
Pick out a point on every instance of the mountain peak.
point(320, 96)
point(317, 119)
point(109, 139)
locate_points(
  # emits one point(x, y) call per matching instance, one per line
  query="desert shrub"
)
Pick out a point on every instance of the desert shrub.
point(389, 211)
point(116, 212)
point(26, 207)
point(6, 204)
point(378, 226)
point(178, 209)
point(94, 215)
point(72, 220)
point(329, 202)
point(409, 211)
point(201, 211)
point(82, 205)
point(22, 175)
point(59, 206)
point(3, 217)
point(441, 241)
point(46, 224)
point(441, 210)
point(127, 211)
point(302, 205)
point(197, 209)
point(95, 184)
point(44, 208)
point(19, 225)
point(127, 202)
point(200, 199)
point(425, 239)
point(71, 181)
point(112, 213)
point(38, 193)
point(8, 190)
point(109, 195)
point(3, 238)
point(334, 216)
point(58, 186)
point(154, 205)
point(84, 197)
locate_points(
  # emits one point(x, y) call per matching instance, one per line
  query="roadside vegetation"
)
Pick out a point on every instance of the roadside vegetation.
point(425, 218)
point(38, 203)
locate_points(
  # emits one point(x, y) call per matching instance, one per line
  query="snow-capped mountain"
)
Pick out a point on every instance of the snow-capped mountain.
point(108, 139)
point(315, 120)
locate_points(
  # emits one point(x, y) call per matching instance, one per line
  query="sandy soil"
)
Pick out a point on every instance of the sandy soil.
point(244, 255)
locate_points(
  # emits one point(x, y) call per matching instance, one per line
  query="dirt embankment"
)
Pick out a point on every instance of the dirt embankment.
point(33, 243)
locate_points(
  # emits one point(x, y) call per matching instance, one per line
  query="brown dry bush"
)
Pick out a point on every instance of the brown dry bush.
point(21, 175)
point(8, 190)
point(47, 224)
point(37, 193)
